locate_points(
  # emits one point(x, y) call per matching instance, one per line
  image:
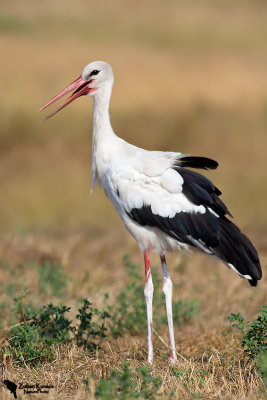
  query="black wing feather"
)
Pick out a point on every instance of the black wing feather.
point(196, 162)
point(201, 191)
point(207, 232)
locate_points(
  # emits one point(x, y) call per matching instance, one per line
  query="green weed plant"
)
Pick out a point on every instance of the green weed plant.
point(41, 331)
point(124, 384)
point(52, 279)
point(254, 340)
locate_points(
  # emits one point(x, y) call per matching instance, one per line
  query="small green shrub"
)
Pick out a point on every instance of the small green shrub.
point(52, 279)
point(19, 309)
point(42, 330)
point(254, 338)
point(125, 384)
point(18, 283)
point(262, 366)
point(91, 329)
point(27, 346)
point(129, 312)
point(149, 386)
point(51, 322)
point(254, 334)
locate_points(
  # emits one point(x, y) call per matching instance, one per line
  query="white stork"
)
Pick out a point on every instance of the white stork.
point(164, 205)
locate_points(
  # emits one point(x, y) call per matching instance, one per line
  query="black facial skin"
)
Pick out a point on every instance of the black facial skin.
point(94, 72)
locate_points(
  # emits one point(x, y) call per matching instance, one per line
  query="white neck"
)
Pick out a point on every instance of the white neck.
point(102, 131)
point(101, 120)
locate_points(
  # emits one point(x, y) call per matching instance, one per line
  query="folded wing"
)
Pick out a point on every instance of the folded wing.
point(186, 206)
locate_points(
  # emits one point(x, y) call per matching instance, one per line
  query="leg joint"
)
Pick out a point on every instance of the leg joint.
point(167, 286)
point(149, 288)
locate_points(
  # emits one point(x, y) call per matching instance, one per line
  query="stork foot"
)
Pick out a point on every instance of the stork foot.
point(173, 357)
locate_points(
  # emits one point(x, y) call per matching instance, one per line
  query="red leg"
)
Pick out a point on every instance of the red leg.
point(147, 265)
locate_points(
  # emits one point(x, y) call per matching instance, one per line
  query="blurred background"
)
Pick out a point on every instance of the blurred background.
point(190, 76)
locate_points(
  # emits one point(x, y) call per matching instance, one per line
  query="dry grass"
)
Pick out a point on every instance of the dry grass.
point(209, 350)
point(225, 376)
point(189, 76)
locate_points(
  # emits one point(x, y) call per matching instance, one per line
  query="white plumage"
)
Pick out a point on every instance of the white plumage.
point(163, 204)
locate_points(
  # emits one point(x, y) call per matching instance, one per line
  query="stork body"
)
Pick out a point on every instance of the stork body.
point(164, 205)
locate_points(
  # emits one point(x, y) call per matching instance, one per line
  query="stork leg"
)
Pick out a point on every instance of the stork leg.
point(149, 288)
point(167, 290)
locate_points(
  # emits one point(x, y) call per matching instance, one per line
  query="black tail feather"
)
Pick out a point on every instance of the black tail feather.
point(236, 249)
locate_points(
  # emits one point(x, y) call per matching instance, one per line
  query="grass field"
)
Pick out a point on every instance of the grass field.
point(190, 77)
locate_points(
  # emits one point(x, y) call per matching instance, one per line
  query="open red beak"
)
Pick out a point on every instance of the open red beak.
point(79, 86)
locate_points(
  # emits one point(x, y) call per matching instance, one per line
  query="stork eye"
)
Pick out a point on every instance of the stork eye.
point(94, 72)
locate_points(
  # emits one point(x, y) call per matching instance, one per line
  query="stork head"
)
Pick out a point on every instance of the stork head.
point(98, 74)
point(96, 79)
